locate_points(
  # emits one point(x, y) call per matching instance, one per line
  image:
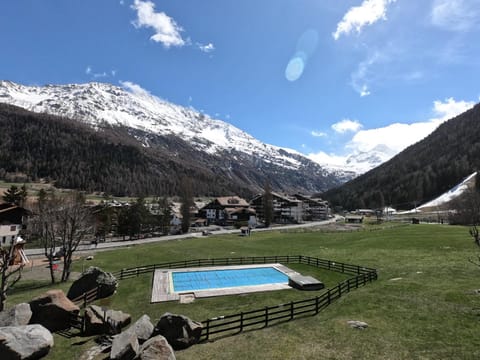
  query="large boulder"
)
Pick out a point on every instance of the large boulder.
point(24, 342)
point(179, 330)
point(53, 310)
point(124, 346)
point(142, 328)
point(104, 321)
point(16, 316)
point(156, 348)
point(93, 278)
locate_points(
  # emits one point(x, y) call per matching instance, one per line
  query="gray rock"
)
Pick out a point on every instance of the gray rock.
point(179, 330)
point(142, 328)
point(104, 321)
point(156, 348)
point(24, 342)
point(53, 310)
point(124, 346)
point(93, 278)
point(357, 324)
point(16, 316)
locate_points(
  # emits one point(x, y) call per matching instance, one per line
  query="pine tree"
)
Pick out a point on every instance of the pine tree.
point(267, 202)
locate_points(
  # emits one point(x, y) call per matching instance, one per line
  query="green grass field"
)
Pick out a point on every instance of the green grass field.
point(421, 307)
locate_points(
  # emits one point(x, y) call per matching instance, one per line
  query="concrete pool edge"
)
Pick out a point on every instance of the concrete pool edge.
point(162, 285)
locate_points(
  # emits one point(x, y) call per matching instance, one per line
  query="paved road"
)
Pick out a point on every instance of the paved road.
point(126, 243)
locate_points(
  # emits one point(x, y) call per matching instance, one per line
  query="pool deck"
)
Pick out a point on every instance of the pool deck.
point(163, 291)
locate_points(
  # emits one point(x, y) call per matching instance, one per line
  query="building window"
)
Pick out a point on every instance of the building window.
point(13, 228)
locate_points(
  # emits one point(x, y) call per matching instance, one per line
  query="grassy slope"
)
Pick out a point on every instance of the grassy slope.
point(427, 314)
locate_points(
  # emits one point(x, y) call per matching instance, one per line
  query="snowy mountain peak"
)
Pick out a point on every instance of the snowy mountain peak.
point(131, 106)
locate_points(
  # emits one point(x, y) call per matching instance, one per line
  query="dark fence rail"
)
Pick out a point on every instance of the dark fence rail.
point(87, 297)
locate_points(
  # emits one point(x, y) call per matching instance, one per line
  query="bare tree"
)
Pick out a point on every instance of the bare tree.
point(74, 224)
point(467, 212)
point(44, 226)
point(61, 221)
point(10, 274)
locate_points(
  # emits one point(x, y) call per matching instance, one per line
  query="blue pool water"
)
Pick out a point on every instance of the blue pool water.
point(216, 279)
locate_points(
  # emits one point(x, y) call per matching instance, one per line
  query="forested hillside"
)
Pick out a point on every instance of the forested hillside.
point(73, 155)
point(126, 161)
point(421, 172)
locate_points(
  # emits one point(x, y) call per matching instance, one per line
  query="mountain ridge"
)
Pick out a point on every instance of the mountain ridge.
point(172, 131)
point(421, 172)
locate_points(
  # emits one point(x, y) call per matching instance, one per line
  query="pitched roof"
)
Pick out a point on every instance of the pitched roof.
point(232, 201)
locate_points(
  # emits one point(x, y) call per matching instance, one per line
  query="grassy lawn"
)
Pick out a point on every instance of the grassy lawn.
point(422, 306)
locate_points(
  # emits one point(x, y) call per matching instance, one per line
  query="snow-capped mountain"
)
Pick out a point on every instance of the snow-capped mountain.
point(102, 105)
point(357, 163)
point(364, 161)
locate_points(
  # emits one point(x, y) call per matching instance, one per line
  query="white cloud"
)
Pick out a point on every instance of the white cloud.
point(88, 70)
point(393, 138)
point(346, 125)
point(206, 48)
point(369, 12)
point(135, 88)
point(455, 15)
point(450, 108)
point(166, 29)
point(363, 74)
point(398, 136)
point(364, 90)
point(318, 133)
point(328, 159)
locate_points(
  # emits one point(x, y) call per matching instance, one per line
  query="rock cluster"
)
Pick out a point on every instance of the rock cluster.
point(144, 341)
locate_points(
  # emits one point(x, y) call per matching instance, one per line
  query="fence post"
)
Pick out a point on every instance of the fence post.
point(329, 295)
point(291, 310)
point(207, 335)
point(121, 274)
point(340, 290)
point(137, 271)
point(241, 321)
point(316, 305)
point(266, 316)
point(356, 282)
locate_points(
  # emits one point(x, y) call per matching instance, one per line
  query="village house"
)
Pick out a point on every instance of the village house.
point(227, 210)
point(315, 209)
point(286, 209)
point(12, 218)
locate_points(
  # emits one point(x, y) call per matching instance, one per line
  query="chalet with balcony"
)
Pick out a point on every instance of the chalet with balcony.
point(227, 210)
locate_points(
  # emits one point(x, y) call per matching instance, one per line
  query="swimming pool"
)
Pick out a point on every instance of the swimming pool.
point(170, 284)
point(226, 278)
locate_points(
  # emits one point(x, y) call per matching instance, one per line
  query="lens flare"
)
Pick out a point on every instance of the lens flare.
point(306, 46)
point(294, 68)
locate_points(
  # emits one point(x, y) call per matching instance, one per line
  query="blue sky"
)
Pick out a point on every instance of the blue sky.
point(323, 77)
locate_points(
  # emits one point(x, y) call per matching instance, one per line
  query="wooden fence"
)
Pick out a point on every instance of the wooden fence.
point(250, 260)
point(228, 325)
